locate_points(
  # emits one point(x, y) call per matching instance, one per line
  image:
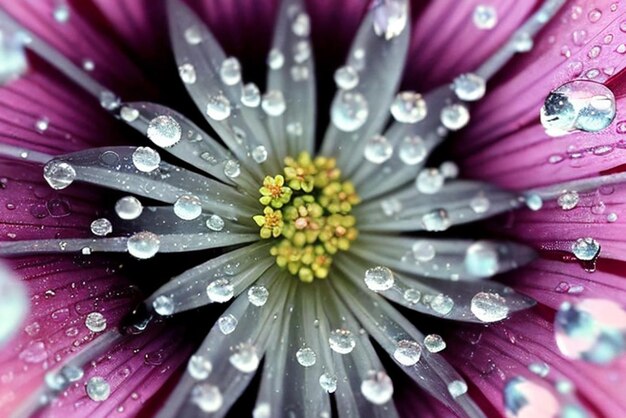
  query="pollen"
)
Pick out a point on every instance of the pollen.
point(314, 220)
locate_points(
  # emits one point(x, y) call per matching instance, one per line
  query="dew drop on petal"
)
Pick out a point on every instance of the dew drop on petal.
point(215, 223)
point(188, 207)
point(128, 208)
point(13, 61)
point(454, 116)
point(128, 114)
point(244, 358)
point(95, 322)
point(143, 245)
point(342, 341)
point(349, 111)
point(436, 220)
point(407, 352)
point(412, 150)
point(346, 78)
point(586, 249)
point(257, 295)
point(429, 181)
point(408, 107)
point(163, 305)
point(262, 410)
point(306, 357)
point(378, 149)
point(259, 154)
point(301, 25)
point(423, 251)
point(218, 107)
point(328, 382)
point(220, 290)
point(193, 35)
point(442, 304)
point(109, 101)
point(568, 200)
point(489, 307)
point(434, 343)
point(101, 227)
point(187, 73)
point(227, 324)
point(207, 397)
point(412, 296)
point(485, 17)
point(578, 105)
point(275, 59)
point(390, 17)
point(251, 95)
point(98, 389)
point(379, 279)
point(199, 367)
point(469, 87)
point(164, 131)
point(232, 169)
point(481, 259)
point(230, 71)
point(146, 159)
point(525, 398)
point(480, 204)
point(59, 174)
point(377, 388)
point(457, 388)
point(274, 103)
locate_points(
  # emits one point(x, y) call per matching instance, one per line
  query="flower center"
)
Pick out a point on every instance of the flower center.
point(307, 210)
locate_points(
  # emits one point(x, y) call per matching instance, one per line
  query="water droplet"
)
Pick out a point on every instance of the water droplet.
point(98, 389)
point(61, 13)
point(377, 388)
point(342, 341)
point(232, 169)
point(101, 227)
point(188, 207)
point(485, 17)
point(301, 25)
point(407, 352)
point(193, 35)
point(230, 71)
point(540, 369)
point(143, 245)
point(408, 107)
point(412, 150)
point(481, 259)
point(109, 101)
point(35, 352)
point(218, 107)
point(227, 324)
point(187, 73)
point(128, 114)
point(199, 367)
point(349, 111)
point(306, 357)
point(95, 322)
point(442, 304)
point(328, 382)
point(412, 296)
point(480, 204)
point(390, 17)
point(250, 95)
point(346, 77)
point(489, 307)
point(611, 217)
point(59, 174)
point(215, 223)
point(586, 249)
point(454, 116)
point(457, 388)
point(449, 169)
point(568, 200)
point(525, 398)
point(523, 42)
point(128, 208)
point(259, 154)
point(274, 103)
point(469, 87)
point(578, 105)
point(42, 125)
point(146, 159)
point(378, 150)
point(13, 62)
point(594, 15)
point(533, 201)
point(207, 397)
point(163, 305)
point(391, 206)
point(436, 220)
point(257, 295)
point(434, 343)
point(379, 279)
point(220, 290)
point(429, 181)
point(164, 131)
point(245, 358)
point(423, 251)
point(262, 410)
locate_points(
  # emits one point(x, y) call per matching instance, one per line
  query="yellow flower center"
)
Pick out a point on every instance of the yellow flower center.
point(307, 210)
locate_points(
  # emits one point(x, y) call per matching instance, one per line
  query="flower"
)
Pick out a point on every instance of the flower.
point(315, 239)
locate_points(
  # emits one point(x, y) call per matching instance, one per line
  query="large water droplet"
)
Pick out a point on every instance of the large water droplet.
point(523, 398)
point(379, 279)
point(436, 220)
point(13, 62)
point(59, 174)
point(259, 154)
point(349, 111)
point(13, 305)
point(251, 95)
point(199, 367)
point(101, 227)
point(257, 295)
point(407, 352)
point(188, 207)
point(95, 322)
point(442, 304)
point(128, 208)
point(146, 159)
point(578, 105)
point(586, 249)
point(207, 397)
point(227, 324)
point(164, 131)
point(98, 389)
point(328, 382)
point(274, 103)
point(306, 357)
point(245, 358)
point(346, 78)
point(489, 307)
point(408, 107)
point(454, 116)
point(412, 150)
point(262, 410)
point(218, 107)
point(429, 181)
point(163, 305)
point(342, 341)
point(378, 150)
point(377, 388)
point(390, 17)
point(220, 290)
point(469, 87)
point(481, 259)
point(457, 388)
point(434, 343)
point(232, 169)
point(143, 245)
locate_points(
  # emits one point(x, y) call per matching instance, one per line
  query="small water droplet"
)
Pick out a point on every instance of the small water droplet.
point(207, 397)
point(218, 107)
point(199, 367)
point(481, 259)
point(143, 245)
point(378, 150)
point(379, 279)
point(434, 343)
point(145, 159)
point(59, 174)
point(429, 181)
point(346, 77)
point(227, 324)
point(232, 169)
point(188, 207)
point(349, 111)
point(568, 200)
point(408, 107)
point(230, 71)
point(412, 296)
point(95, 322)
point(187, 73)
point(215, 223)
point(485, 17)
point(251, 95)
point(412, 150)
point(306, 357)
point(436, 220)
point(98, 389)
point(328, 382)
point(407, 352)
point(442, 304)
point(163, 305)
point(469, 87)
point(128, 208)
point(377, 388)
point(245, 358)
point(455, 116)
point(489, 307)
point(342, 341)
point(457, 388)
point(274, 103)
point(193, 35)
point(423, 251)
point(220, 291)
point(390, 17)
point(164, 131)
point(257, 295)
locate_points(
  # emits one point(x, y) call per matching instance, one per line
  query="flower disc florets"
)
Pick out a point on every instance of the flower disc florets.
point(309, 209)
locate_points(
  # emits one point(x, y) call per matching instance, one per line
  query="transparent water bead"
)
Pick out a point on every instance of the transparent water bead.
point(489, 307)
point(220, 290)
point(485, 17)
point(442, 304)
point(275, 59)
point(379, 279)
point(227, 324)
point(230, 71)
point(480, 204)
point(377, 388)
point(163, 305)
point(412, 296)
point(245, 358)
point(218, 107)
point(306, 357)
point(429, 181)
point(274, 103)
point(215, 223)
point(98, 389)
point(145, 159)
point(390, 17)
point(378, 149)
point(207, 397)
point(42, 125)
point(407, 352)
point(95, 322)
point(143, 245)
point(128, 208)
point(232, 169)
point(301, 25)
point(328, 382)
point(349, 111)
point(423, 251)
point(187, 73)
point(301, 52)
point(434, 343)
point(523, 42)
point(188, 207)
point(13, 62)
point(568, 200)
point(586, 249)
point(101, 227)
point(593, 330)
point(59, 174)
point(408, 107)
point(199, 367)
point(457, 388)
point(469, 87)
point(391, 206)
point(454, 116)
point(342, 341)
point(533, 201)
point(251, 95)
point(259, 154)
point(523, 398)
point(193, 35)
point(540, 369)
point(164, 131)
point(412, 150)
point(436, 220)
point(262, 410)
point(481, 259)
point(109, 101)
point(257, 295)
point(578, 105)
point(129, 114)
point(346, 77)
